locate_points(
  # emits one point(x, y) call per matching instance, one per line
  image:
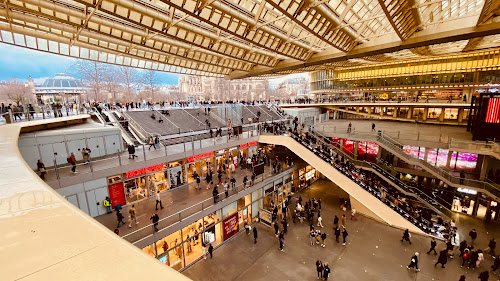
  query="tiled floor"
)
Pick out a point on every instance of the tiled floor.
point(373, 251)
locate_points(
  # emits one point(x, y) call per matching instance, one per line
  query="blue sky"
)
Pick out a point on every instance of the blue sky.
point(21, 63)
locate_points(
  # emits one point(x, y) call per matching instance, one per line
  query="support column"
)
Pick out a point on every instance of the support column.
point(355, 150)
point(476, 204)
point(426, 112)
point(449, 159)
point(395, 161)
point(410, 112)
point(382, 111)
point(396, 112)
point(425, 155)
point(441, 116)
point(460, 117)
point(484, 167)
point(379, 155)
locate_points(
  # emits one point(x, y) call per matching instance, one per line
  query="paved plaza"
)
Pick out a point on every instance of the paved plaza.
point(373, 250)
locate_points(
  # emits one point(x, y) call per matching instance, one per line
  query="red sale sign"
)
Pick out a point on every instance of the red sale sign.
point(230, 226)
point(116, 194)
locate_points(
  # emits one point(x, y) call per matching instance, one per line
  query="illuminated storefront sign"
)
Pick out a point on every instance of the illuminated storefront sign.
point(467, 190)
point(200, 156)
point(252, 143)
point(310, 174)
point(143, 171)
point(230, 226)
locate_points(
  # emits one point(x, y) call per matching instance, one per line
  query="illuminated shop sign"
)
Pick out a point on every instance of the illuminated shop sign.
point(310, 174)
point(143, 171)
point(200, 156)
point(232, 149)
point(222, 151)
point(467, 190)
point(252, 143)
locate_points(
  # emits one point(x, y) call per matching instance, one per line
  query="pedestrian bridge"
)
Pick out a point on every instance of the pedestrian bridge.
point(45, 237)
point(361, 200)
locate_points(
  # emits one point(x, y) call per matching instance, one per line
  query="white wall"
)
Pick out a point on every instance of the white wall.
point(87, 195)
point(58, 144)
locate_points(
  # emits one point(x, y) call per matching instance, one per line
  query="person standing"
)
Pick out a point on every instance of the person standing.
point(491, 247)
point(343, 221)
point(312, 236)
point(131, 151)
point(245, 179)
point(336, 221)
point(406, 236)
point(119, 218)
point(344, 236)
point(462, 247)
point(326, 271)
point(337, 233)
point(215, 193)
point(480, 257)
point(473, 236)
point(211, 250)
point(433, 246)
point(414, 262)
point(353, 214)
point(319, 269)
point(255, 235)
point(285, 225)
point(107, 204)
point(226, 189)
point(276, 228)
point(373, 127)
point(198, 181)
point(133, 216)
point(465, 257)
point(158, 200)
point(474, 256)
point(442, 259)
point(323, 239)
point(155, 218)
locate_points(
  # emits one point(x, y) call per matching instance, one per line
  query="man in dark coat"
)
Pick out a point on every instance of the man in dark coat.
point(443, 258)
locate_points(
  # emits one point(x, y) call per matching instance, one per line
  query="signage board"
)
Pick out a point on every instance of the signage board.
point(252, 143)
point(200, 156)
point(143, 171)
point(116, 194)
point(230, 226)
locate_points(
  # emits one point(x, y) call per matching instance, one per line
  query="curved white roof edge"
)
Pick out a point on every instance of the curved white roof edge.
point(45, 237)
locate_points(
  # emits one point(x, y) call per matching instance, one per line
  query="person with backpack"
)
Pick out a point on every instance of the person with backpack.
point(72, 160)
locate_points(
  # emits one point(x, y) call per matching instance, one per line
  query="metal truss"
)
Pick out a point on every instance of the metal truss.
point(245, 38)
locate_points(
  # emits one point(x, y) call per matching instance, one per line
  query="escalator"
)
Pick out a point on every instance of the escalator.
point(124, 126)
point(372, 200)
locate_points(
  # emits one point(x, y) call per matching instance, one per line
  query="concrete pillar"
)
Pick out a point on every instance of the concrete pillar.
point(460, 117)
point(449, 159)
point(356, 143)
point(441, 116)
point(484, 167)
point(396, 112)
point(379, 155)
point(370, 110)
point(425, 155)
point(382, 111)
point(410, 112)
point(395, 161)
point(476, 204)
point(426, 112)
point(358, 108)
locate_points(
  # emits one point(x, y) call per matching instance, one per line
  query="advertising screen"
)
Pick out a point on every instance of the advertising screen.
point(230, 226)
point(368, 148)
point(463, 161)
point(348, 146)
point(493, 111)
point(116, 194)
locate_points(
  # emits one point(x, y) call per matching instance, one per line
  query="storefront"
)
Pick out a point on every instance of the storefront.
point(307, 176)
point(142, 183)
point(248, 149)
point(200, 164)
point(176, 173)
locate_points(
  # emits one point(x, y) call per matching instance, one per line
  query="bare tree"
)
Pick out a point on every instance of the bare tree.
point(16, 92)
point(112, 82)
point(128, 78)
point(150, 81)
point(93, 74)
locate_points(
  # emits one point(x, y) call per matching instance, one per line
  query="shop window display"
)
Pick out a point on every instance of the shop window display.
point(200, 167)
point(176, 174)
point(136, 189)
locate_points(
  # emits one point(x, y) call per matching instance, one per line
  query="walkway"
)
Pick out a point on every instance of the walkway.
point(373, 252)
point(185, 199)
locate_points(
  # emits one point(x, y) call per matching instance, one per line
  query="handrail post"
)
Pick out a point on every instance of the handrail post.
point(119, 159)
point(144, 152)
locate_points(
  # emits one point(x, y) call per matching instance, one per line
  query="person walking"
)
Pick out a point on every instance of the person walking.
point(41, 169)
point(255, 235)
point(344, 236)
point(462, 278)
point(215, 193)
point(72, 160)
point(320, 220)
point(473, 236)
point(474, 256)
point(414, 262)
point(119, 218)
point(326, 271)
point(353, 214)
point(107, 204)
point(343, 221)
point(281, 239)
point(442, 259)
point(319, 269)
point(285, 224)
point(373, 127)
point(462, 247)
point(211, 250)
point(312, 236)
point(480, 257)
point(496, 264)
point(155, 218)
point(337, 233)
point(226, 189)
point(276, 228)
point(245, 179)
point(484, 276)
point(158, 200)
point(406, 236)
point(336, 221)
point(491, 247)
point(465, 257)
point(198, 182)
point(133, 216)
point(433, 246)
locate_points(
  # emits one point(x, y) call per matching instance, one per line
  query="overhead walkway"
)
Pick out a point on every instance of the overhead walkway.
point(361, 199)
point(45, 237)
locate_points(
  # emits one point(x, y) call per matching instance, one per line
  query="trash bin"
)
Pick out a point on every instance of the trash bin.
point(8, 117)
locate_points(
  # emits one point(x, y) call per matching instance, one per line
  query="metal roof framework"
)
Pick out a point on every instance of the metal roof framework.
point(246, 38)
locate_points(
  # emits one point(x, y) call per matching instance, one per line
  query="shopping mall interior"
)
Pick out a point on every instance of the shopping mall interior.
point(396, 141)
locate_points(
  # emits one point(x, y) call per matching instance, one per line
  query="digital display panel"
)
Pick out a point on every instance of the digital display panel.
point(493, 111)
